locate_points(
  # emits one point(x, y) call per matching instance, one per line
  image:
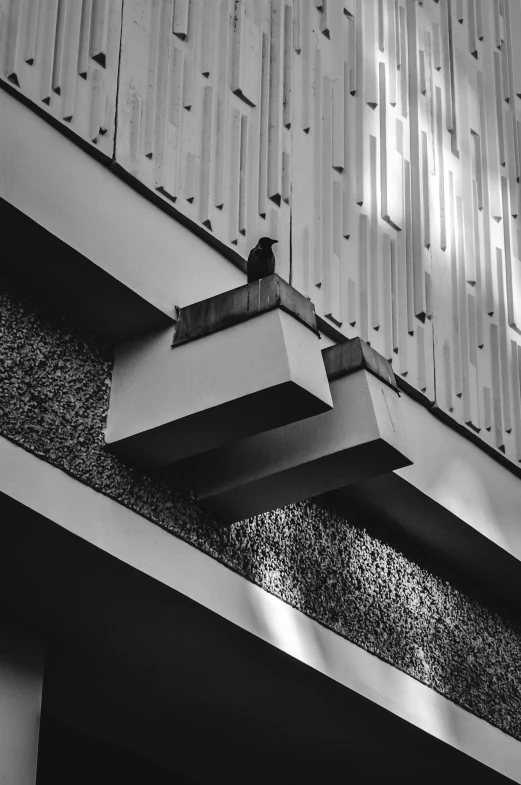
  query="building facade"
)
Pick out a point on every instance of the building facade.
point(268, 531)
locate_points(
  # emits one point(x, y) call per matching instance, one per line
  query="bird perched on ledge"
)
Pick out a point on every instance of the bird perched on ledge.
point(261, 261)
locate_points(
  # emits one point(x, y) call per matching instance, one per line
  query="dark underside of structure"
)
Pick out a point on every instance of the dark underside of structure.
point(54, 396)
point(61, 748)
point(135, 663)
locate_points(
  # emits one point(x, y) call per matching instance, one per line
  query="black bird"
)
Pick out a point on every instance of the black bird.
point(261, 261)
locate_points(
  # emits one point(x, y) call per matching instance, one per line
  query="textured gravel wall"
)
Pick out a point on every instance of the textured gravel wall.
point(54, 396)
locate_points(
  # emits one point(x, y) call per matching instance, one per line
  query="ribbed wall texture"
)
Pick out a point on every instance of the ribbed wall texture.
point(54, 394)
point(63, 56)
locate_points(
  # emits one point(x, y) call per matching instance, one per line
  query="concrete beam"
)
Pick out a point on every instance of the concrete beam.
point(455, 502)
point(171, 400)
point(363, 436)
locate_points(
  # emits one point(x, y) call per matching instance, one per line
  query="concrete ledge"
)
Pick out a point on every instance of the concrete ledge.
point(414, 523)
point(388, 696)
point(226, 494)
point(172, 402)
point(48, 269)
point(455, 503)
point(363, 436)
point(238, 305)
point(117, 262)
point(353, 355)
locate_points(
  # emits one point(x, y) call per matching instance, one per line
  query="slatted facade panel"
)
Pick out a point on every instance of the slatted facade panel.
point(362, 160)
point(205, 113)
point(63, 56)
point(476, 285)
point(380, 141)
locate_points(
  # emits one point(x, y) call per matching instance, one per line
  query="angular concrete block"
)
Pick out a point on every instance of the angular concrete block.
point(238, 364)
point(361, 437)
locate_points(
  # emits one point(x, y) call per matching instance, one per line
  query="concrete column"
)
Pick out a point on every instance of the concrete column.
point(21, 677)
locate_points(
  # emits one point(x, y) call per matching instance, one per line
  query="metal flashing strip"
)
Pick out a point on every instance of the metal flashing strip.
point(240, 304)
point(354, 355)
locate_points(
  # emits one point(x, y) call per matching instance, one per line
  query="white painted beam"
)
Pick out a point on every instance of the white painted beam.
point(50, 180)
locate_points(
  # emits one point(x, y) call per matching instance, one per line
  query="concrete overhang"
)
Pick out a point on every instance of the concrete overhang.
point(455, 506)
point(49, 270)
point(361, 437)
point(156, 647)
point(238, 364)
point(79, 238)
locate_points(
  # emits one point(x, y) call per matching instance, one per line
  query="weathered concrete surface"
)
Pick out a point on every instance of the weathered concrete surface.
point(354, 354)
point(54, 394)
point(240, 304)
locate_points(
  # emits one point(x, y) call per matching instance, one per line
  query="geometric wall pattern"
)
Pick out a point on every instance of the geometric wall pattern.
point(203, 113)
point(63, 56)
point(379, 140)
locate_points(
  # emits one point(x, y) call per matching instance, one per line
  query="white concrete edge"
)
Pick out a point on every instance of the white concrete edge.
point(461, 477)
point(105, 220)
point(148, 548)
